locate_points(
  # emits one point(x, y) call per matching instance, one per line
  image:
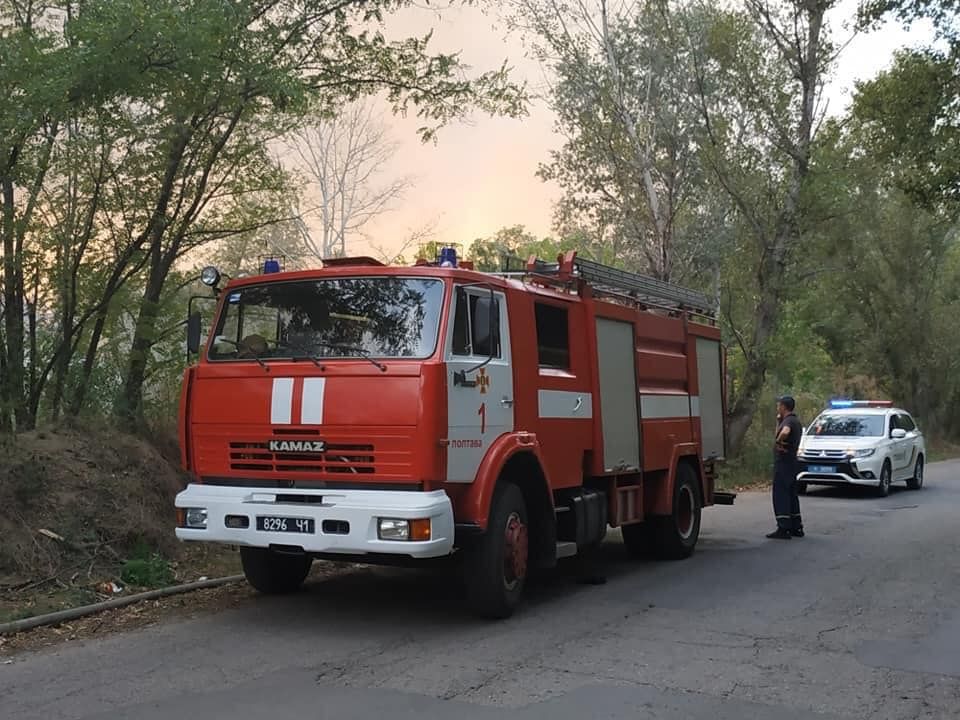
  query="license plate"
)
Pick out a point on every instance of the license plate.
point(285, 524)
point(821, 469)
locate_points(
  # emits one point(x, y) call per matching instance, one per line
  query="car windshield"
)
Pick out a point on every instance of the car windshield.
point(847, 426)
point(383, 317)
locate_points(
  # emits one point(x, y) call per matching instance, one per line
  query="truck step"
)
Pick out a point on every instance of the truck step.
point(723, 498)
point(566, 549)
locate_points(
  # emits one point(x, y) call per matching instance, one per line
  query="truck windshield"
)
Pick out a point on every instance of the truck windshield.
point(847, 426)
point(384, 317)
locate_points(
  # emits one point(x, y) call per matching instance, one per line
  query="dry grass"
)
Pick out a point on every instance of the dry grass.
point(79, 509)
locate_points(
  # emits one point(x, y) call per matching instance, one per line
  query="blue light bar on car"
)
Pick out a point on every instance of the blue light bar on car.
point(860, 403)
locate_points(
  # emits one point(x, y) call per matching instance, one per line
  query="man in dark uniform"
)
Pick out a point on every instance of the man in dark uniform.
point(786, 499)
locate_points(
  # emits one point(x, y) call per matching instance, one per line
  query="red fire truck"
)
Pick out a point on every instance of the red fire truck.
point(379, 414)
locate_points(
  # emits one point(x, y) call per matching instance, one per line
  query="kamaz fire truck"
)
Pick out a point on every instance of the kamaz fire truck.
point(377, 414)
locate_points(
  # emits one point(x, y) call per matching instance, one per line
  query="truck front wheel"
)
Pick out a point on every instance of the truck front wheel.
point(274, 573)
point(496, 567)
point(675, 536)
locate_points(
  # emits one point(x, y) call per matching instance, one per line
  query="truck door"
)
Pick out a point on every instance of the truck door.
point(479, 379)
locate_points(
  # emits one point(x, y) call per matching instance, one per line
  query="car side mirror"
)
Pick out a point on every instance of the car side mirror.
point(193, 332)
point(898, 434)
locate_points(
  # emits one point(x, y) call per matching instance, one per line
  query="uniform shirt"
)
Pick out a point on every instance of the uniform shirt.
point(787, 450)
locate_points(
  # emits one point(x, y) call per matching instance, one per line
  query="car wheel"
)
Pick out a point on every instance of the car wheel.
point(675, 536)
point(916, 482)
point(886, 475)
point(274, 573)
point(638, 539)
point(496, 568)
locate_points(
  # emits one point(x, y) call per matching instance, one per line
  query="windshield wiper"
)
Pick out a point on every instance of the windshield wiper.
point(246, 348)
point(307, 355)
point(361, 352)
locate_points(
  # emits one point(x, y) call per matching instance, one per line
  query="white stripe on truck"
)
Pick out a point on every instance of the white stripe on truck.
point(311, 413)
point(564, 404)
point(281, 401)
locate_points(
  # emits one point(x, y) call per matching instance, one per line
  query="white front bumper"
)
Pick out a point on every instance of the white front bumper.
point(872, 465)
point(360, 508)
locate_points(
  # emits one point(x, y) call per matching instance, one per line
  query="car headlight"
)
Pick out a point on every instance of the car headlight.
point(863, 453)
point(399, 529)
point(193, 518)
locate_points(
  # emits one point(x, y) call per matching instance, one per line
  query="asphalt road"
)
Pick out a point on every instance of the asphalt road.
point(861, 619)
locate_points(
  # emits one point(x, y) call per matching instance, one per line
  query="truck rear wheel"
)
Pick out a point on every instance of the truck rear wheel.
point(638, 539)
point(274, 573)
point(496, 567)
point(675, 536)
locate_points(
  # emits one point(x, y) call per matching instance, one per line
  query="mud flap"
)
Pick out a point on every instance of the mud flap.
point(721, 497)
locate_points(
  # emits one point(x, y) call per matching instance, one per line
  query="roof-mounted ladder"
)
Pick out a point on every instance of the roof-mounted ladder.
point(639, 288)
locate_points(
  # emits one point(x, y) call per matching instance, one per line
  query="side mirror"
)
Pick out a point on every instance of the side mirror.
point(898, 434)
point(193, 332)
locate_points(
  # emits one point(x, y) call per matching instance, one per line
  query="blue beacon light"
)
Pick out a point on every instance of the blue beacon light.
point(448, 257)
point(271, 266)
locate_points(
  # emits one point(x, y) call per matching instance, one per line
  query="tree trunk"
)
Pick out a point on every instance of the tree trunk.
point(79, 395)
point(6, 426)
point(35, 381)
point(130, 402)
point(12, 397)
point(772, 276)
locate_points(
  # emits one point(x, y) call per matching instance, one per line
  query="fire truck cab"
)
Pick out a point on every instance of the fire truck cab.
point(504, 421)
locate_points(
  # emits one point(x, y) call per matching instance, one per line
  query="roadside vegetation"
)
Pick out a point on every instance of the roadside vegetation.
point(140, 141)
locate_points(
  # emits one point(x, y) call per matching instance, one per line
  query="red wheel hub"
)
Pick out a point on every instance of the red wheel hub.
point(515, 550)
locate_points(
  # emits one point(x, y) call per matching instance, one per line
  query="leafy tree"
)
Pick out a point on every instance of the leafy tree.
point(139, 128)
point(758, 88)
point(624, 100)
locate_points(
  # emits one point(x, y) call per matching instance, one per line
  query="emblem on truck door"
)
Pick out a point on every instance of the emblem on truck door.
point(298, 446)
point(483, 381)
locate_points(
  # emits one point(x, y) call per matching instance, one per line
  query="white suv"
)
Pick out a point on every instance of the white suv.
point(862, 443)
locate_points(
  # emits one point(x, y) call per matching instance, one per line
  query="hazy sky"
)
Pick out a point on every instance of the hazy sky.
point(480, 176)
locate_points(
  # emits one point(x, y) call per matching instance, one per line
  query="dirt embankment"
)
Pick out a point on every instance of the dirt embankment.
point(89, 513)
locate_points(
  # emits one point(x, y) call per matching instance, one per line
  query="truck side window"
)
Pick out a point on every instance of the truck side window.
point(906, 422)
point(553, 336)
point(472, 325)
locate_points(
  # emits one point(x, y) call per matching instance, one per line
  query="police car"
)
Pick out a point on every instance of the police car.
point(862, 442)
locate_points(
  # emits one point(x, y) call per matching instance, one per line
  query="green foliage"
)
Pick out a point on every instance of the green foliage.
point(137, 134)
point(909, 114)
point(516, 245)
point(146, 569)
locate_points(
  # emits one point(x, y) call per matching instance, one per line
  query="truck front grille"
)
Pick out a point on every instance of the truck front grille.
point(336, 459)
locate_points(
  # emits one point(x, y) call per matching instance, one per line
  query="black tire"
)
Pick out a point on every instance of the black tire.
point(675, 536)
point(638, 538)
point(495, 569)
point(801, 488)
point(916, 482)
point(886, 478)
point(274, 573)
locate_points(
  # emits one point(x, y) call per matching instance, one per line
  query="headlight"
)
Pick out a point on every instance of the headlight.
point(210, 276)
point(195, 518)
point(397, 529)
point(391, 529)
point(863, 453)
